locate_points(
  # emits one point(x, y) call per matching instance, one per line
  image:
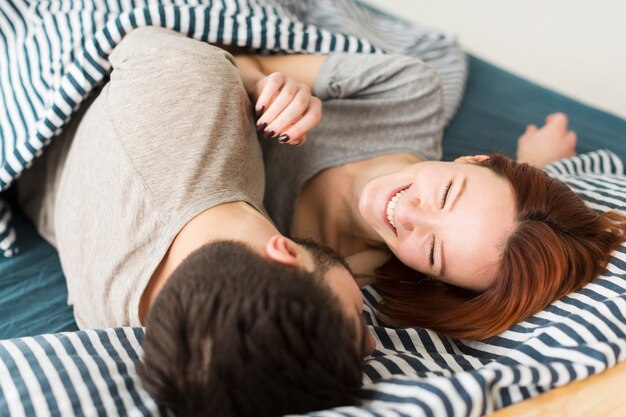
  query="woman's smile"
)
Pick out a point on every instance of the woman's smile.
point(391, 207)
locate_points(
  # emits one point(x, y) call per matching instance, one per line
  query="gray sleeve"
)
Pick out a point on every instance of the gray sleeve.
point(375, 76)
point(369, 98)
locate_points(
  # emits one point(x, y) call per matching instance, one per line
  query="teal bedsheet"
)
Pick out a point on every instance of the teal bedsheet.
point(496, 109)
point(33, 295)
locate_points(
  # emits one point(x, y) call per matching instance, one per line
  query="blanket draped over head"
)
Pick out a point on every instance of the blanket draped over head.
point(54, 53)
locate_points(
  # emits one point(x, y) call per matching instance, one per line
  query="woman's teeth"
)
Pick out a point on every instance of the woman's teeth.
point(391, 207)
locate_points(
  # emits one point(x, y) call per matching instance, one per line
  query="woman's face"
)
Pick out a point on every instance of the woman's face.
point(449, 220)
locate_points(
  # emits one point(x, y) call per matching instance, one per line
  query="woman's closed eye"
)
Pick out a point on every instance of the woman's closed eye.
point(444, 198)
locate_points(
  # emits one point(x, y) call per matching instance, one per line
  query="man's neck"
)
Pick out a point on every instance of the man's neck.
point(236, 221)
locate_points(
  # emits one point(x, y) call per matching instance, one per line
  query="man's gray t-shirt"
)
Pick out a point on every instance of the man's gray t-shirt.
point(372, 105)
point(168, 137)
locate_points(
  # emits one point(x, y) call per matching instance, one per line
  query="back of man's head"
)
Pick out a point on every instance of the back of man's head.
point(234, 334)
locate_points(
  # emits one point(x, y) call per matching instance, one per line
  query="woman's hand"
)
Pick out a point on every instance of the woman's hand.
point(286, 108)
point(542, 146)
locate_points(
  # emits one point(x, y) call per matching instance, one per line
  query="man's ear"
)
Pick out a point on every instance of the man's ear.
point(472, 159)
point(283, 250)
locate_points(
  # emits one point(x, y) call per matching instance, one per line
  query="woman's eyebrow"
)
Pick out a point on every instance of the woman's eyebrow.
point(442, 261)
point(442, 258)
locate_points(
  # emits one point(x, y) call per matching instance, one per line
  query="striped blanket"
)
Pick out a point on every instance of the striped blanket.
point(54, 53)
point(413, 372)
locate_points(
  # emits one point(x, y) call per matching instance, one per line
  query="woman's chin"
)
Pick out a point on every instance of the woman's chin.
point(366, 207)
point(375, 230)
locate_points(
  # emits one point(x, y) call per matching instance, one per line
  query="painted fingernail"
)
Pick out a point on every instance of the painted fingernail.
point(261, 127)
point(269, 134)
point(283, 138)
point(260, 110)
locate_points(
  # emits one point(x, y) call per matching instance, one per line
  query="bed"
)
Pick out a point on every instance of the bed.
point(47, 367)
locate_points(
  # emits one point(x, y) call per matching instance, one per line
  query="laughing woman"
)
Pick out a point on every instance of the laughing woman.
point(466, 248)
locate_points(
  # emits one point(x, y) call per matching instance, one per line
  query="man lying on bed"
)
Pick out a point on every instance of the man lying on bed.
point(153, 199)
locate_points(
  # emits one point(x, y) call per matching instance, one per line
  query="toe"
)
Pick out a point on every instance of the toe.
point(531, 128)
point(557, 120)
point(571, 138)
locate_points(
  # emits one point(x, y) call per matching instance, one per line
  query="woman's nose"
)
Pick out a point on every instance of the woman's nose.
point(411, 215)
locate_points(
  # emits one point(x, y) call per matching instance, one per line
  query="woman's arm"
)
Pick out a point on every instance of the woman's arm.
point(542, 146)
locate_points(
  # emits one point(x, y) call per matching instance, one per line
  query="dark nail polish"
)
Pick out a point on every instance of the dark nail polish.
point(269, 134)
point(260, 110)
point(261, 127)
point(283, 138)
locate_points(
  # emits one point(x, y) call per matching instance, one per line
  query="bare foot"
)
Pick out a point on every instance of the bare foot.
point(542, 146)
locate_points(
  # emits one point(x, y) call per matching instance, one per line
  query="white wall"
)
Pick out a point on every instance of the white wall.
point(577, 47)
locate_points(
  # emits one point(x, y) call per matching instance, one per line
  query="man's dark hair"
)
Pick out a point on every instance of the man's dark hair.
point(234, 334)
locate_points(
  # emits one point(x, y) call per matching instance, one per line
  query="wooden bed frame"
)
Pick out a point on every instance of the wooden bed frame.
point(602, 395)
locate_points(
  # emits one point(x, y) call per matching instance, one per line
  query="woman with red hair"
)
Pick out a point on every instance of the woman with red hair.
point(466, 248)
point(556, 245)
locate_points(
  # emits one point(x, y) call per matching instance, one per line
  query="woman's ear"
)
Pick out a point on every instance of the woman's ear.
point(283, 250)
point(472, 159)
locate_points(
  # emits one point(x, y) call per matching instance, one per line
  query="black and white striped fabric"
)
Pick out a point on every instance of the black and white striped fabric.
point(413, 372)
point(89, 373)
point(53, 54)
